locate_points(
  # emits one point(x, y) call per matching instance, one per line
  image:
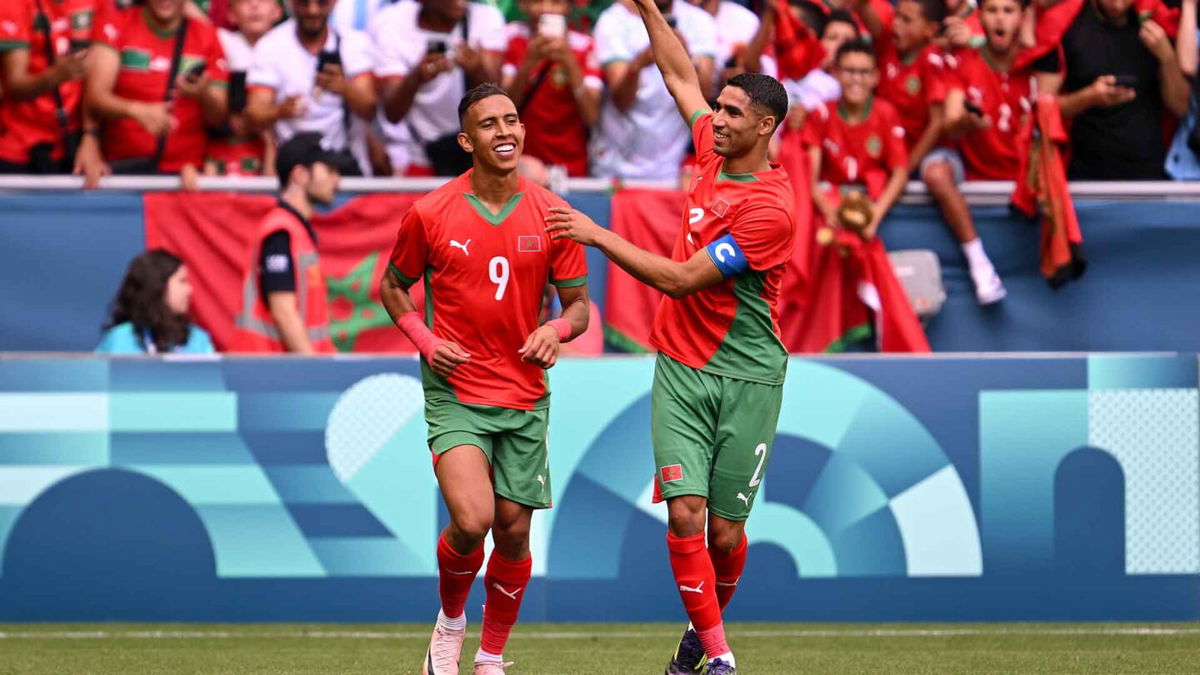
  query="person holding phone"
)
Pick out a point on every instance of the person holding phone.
point(1117, 76)
point(42, 51)
point(449, 47)
point(306, 76)
point(235, 148)
point(552, 74)
point(156, 80)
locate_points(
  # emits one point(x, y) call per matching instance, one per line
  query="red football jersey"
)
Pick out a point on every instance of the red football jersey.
point(865, 152)
point(145, 62)
point(24, 124)
point(732, 327)
point(485, 275)
point(1006, 99)
point(912, 85)
point(237, 156)
point(554, 129)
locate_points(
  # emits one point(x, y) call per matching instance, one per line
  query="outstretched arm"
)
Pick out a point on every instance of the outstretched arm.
point(676, 279)
point(673, 60)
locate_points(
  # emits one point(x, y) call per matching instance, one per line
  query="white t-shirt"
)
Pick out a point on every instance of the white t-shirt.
point(814, 90)
point(649, 141)
point(238, 52)
point(283, 64)
point(401, 45)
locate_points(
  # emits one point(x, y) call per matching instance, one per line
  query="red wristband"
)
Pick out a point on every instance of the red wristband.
point(562, 327)
point(415, 329)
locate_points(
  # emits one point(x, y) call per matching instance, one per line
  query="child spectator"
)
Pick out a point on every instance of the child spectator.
point(235, 149)
point(820, 86)
point(157, 79)
point(856, 141)
point(552, 75)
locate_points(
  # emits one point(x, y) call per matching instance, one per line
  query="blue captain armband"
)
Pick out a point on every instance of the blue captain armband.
point(727, 256)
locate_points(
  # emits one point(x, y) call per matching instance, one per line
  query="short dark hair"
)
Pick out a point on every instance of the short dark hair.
point(934, 11)
point(477, 94)
point(855, 46)
point(841, 16)
point(763, 91)
point(811, 14)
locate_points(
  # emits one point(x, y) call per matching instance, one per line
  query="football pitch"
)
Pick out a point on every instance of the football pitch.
point(565, 649)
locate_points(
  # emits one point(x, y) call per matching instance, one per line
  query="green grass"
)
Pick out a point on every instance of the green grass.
point(564, 649)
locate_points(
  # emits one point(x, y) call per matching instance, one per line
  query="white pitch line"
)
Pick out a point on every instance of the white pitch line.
point(580, 635)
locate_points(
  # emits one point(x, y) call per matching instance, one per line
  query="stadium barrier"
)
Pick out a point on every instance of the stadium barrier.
point(1052, 487)
point(65, 251)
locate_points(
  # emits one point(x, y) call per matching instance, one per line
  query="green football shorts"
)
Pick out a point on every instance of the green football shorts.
point(712, 435)
point(514, 442)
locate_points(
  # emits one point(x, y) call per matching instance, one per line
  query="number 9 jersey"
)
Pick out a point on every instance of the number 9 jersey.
point(485, 278)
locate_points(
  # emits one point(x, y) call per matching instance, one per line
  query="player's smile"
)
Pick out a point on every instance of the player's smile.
point(505, 150)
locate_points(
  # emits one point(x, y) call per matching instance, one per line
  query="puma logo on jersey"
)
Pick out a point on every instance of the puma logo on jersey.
point(455, 244)
point(542, 479)
point(688, 589)
point(745, 498)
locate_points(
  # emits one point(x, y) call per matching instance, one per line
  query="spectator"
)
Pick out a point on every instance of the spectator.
point(738, 27)
point(236, 149)
point(150, 313)
point(156, 78)
point(820, 86)
point(989, 98)
point(1115, 75)
point(309, 77)
point(449, 46)
point(284, 304)
point(42, 50)
point(551, 73)
point(857, 140)
point(1183, 159)
point(641, 135)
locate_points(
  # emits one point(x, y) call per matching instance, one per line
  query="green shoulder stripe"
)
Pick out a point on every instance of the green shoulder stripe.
point(400, 275)
point(570, 283)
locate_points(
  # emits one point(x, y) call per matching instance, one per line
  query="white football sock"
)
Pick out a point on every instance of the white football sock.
point(484, 657)
point(457, 623)
point(977, 258)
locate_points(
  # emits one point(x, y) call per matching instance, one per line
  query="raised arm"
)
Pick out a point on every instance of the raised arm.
point(673, 60)
point(1185, 43)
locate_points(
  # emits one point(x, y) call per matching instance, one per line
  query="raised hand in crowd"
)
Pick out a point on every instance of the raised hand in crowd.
point(956, 32)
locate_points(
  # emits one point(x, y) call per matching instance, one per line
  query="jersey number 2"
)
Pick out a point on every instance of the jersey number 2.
point(761, 452)
point(498, 273)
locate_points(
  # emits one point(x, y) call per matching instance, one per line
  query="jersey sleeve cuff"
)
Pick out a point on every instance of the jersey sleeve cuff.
point(10, 45)
point(696, 117)
point(571, 283)
point(401, 275)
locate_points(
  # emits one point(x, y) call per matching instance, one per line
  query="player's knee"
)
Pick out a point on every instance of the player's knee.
point(515, 533)
point(685, 516)
point(724, 539)
point(473, 526)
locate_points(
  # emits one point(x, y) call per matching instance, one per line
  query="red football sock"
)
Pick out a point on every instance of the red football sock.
point(729, 568)
point(696, 579)
point(506, 581)
point(456, 573)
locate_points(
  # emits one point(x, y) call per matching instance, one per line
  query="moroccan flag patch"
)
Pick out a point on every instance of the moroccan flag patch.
point(671, 473)
point(529, 244)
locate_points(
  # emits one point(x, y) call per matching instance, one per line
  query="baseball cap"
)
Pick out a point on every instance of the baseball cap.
point(304, 149)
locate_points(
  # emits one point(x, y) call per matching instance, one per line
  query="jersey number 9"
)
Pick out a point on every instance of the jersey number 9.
point(498, 273)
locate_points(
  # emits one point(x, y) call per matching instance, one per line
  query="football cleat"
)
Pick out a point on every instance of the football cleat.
point(490, 668)
point(445, 647)
point(719, 667)
point(689, 656)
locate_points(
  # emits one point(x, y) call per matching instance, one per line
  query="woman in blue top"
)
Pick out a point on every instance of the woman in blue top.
point(150, 312)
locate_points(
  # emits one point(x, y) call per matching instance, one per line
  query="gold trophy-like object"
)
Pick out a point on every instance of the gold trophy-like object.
point(854, 213)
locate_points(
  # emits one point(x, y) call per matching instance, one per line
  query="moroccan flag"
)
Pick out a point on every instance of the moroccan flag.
point(853, 290)
point(213, 235)
point(1042, 192)
point(649, 219)
point(794, 295)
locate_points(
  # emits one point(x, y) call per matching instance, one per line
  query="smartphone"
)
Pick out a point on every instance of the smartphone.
point(237, 91)
point(1126, 81)
point(75, 45)
point(731, 62)
point(972, 108)
point(672, 21)
point(437, 47)
point(196, 70)
point(552, 25)
point(325, 58)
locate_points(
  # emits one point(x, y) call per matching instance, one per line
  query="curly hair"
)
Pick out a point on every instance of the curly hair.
point(141, 301)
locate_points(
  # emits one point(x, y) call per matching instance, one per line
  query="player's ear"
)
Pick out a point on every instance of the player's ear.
point(464, 142)
point(766, 125)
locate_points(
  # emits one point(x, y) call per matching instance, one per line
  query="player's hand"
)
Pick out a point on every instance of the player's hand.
point(1105, 91)
point(446, 357)
point(541, 347)
point(566, 223)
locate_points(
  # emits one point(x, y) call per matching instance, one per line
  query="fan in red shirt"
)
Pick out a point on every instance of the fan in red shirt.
point(128, 88)
point(552, 74)
point(40, 106)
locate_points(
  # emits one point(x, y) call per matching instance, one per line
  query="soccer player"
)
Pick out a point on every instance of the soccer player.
point(718, 380)
point(480, 244)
